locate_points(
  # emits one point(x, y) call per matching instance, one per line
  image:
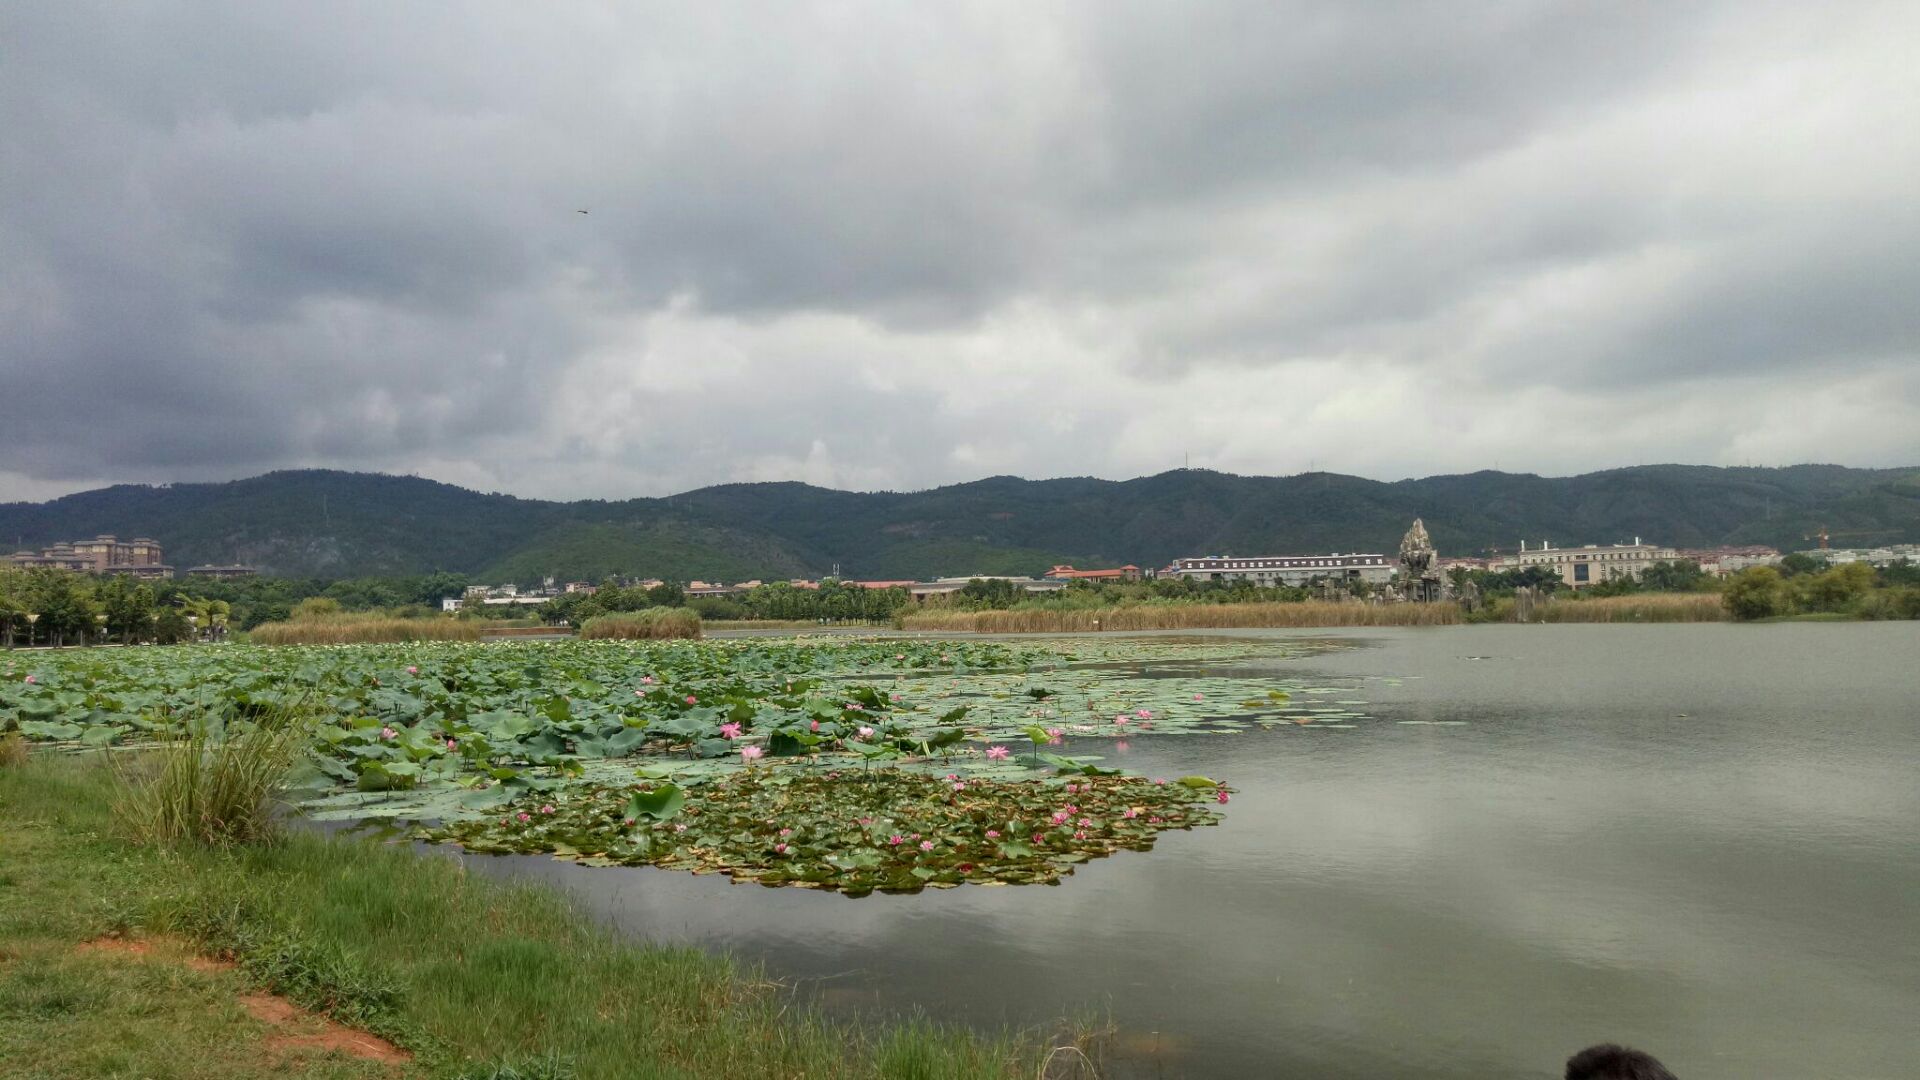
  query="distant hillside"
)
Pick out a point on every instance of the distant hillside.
point(339, 524)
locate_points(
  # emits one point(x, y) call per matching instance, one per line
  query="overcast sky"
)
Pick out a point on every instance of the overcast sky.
point(899, 245)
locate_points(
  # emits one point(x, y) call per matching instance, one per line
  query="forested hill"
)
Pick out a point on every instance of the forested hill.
point(339, 524)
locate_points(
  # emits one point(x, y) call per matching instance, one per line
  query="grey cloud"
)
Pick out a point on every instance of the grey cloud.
point(244, 235)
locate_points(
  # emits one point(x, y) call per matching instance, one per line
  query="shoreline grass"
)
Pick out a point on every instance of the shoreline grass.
point(1307, 614)
point(477, 978)
point(1641, 607)
point(362, 628)
point(651, 624)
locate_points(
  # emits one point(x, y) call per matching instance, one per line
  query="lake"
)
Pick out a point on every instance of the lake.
point(1703, 840)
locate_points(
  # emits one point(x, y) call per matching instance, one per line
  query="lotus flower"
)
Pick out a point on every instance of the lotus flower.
point(411, 670)
point(780, 849)
point(389, 733)
point(548, 809)
point(1222, 797)
point(1144, 714)
point(1199, 697)
point(786, 832)
point(691, 699)
point(993, 834)
point(451, 745)
point(958, 786)
point(729, 731)
point(896, 839)
point(31, 680)
point(523, 816)
point(814, 726)
point(646, 680)
point(926, 845)
point(866, 733)
point(750, 753)
point(997, 753)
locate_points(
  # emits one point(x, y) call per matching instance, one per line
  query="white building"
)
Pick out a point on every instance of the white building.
point(1591, 564)
point(1270, 570)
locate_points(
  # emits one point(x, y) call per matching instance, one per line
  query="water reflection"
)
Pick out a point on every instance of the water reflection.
point(1700, 839)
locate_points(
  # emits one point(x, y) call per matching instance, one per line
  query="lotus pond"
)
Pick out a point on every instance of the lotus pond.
point(858, 765)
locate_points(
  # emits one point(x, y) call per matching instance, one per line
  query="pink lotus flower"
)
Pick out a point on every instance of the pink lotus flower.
point(1072, 809)
point(523, 816)
point(646, 680)
point(866, 733)
point(1060, 817)
point(896, 839)
point(1085, 823)
point(856, 706)
point(926, 845)
point(900, 656)
point(1222, 797)
point(1156, 821)
point(993, 834)
point(1144, 714)
point(629, 823)
point(1038, 839)
point(411, 670)
point(750, 753)
point(1071, 788)
point(691, 699)
point(1199, 697)
point(1130, 812)
point(548, 809)
point(1159, 780)
point(780, 848)
point(815, 726)
point(958, 786)
point(786, 832)
point(451, 745)
point(31, 680)
point(1080, 834)
point(729, 731)
point(389, 733)
point(894, 697)
point(997, 753)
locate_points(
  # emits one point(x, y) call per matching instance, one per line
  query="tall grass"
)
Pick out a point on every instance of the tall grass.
point(215, 784)
point(13, 749)
point(1646, 607)
point(658, 622)
point(1183, 617)
point(363, 627)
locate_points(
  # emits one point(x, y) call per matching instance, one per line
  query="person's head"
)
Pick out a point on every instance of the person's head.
point(1610, 1062)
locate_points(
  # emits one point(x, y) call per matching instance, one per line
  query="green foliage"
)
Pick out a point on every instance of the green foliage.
point(1758, 592)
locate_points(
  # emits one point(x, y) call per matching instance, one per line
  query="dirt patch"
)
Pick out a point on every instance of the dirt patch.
point(162, 948)
point(301, 1031)
point(296, 1031)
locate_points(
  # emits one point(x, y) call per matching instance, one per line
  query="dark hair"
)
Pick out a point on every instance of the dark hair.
point(1612, 1062)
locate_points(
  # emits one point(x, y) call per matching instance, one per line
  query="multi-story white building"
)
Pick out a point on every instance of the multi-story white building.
point(1591, 564)
point(1268, 571)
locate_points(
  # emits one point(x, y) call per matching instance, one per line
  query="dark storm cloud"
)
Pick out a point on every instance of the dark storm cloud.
point(243, 236)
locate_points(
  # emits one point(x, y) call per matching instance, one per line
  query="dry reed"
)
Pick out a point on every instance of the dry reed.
point(1312, 613)
point(651, 624)
point(358, 628)
point(1647, 607)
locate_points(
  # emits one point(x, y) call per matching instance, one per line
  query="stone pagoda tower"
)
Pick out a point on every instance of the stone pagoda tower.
point(1419, 565)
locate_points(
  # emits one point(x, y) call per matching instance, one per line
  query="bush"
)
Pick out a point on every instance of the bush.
point(1758, 592)
point(363, 628)
point(13, 749)
point(650, 624)
point(214, 785)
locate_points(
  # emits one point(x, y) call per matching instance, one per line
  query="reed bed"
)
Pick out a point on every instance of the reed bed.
point(648, 625)
point(215, 784)
point(363, 628)
point(1310, 613)
point(1648, 607)
point(13, 749)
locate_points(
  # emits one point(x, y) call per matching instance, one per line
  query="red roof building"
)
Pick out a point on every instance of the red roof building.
point(1068, 573)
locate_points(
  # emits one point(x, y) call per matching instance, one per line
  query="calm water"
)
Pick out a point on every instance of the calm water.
point(1702, 840)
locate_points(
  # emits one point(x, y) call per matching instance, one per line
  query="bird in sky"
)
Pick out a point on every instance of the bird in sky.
point(579, 211)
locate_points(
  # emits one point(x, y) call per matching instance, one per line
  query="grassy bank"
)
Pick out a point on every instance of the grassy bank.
point(362, 628)
point(650, 624)
point(1643, 607)
point(474, 978)
point(1182, 617)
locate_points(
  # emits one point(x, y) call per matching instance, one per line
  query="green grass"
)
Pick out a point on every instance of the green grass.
point(479, 979)
point(215, 784)
point(653, 623)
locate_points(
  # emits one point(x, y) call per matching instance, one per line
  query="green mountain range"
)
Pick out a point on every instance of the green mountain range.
point(339, 524)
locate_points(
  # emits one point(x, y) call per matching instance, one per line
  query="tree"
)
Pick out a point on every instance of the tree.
point(1681, 576)
point(1797, 563)
point(1758, 592)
